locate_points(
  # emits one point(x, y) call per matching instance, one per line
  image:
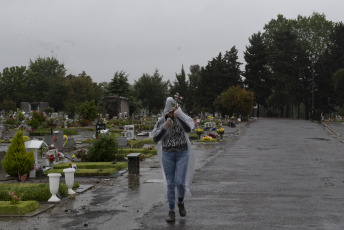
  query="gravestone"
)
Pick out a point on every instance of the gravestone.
point(59, 139)
point(122, 141)
point(70, 146)
point(129, 132)
point(210, 125)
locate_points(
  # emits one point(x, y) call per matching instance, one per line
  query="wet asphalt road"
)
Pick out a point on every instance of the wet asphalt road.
point(280, 174)
point(276, 174)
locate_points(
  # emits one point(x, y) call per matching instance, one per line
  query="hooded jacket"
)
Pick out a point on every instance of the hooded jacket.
point(175, 138)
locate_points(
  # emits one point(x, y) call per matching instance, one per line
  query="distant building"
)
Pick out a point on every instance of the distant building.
point(114, 106)
point(34, 106)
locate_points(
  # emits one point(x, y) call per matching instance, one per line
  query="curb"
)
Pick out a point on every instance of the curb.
point(333, 132)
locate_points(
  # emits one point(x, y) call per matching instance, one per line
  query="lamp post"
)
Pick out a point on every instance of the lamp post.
point(312, 113)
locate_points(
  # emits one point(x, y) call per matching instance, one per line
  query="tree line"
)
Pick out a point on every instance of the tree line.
point(294, 68)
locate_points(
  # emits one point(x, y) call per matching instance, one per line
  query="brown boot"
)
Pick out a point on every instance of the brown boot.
point(182, 211)
point(171, 216)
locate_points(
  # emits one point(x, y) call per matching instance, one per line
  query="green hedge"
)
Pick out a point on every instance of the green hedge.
point(68, 131)
point(33, 191)
point(143, 151)
point(140, 143)
point(87, 172)
point(193, 136)
point(90, 168)
point(6, 208)
point(93, 165)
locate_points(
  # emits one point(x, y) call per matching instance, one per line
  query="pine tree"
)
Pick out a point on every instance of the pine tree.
point(17, 160)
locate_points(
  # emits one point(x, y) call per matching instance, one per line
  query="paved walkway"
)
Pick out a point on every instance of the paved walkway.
point(276, 174)
point(280, 174)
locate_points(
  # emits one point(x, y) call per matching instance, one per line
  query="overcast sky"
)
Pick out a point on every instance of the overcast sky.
point(139, 36)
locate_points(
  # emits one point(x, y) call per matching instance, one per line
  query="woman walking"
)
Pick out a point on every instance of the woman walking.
point(176, 158)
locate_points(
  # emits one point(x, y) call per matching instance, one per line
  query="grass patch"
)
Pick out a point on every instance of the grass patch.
point(87, 140)
point(209, 141)
point(68, 131)
point(6, 208)
point(32, 191)
point(116, 130)
point(87, 172)
point(193, 136)
point(90, 168)
point(139, 143)
point(142, 151)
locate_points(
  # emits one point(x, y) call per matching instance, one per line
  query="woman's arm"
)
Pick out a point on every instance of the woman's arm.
point(158, 131)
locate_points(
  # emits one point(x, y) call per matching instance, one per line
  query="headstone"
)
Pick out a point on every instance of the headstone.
point(58, 141)
point(133, 170)
point(70, 145)
point(129, 132)
point(210, 125)
point(122, 141)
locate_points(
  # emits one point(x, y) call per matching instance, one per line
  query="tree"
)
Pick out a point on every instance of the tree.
point(181, 86)
point(42, 72)
point(119, 85)
point(151, 91)
point(8, 105)
point(191, 103)
point(220, 73)
point(79, 89)
point(257, 74)
point(329, 62)
point(14, 84)
point(17, 160)
point(338, 85)
point(232, 68)
point(236, 100)
point(88, 110)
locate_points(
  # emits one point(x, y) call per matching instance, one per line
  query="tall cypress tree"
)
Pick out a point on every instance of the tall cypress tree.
point(257, 75)
point(17, 160)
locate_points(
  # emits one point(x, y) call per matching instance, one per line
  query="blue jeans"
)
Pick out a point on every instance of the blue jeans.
point(175, 166)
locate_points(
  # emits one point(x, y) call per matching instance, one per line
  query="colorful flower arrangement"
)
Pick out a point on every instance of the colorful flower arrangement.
point(60, 156)
point(207, 138)
point(213, 136)
point(220, 131)
point(14, 198)
point(199, 132)
point(178, 99)
point(51, 158)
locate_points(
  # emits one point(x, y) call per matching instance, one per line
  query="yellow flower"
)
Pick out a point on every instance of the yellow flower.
point(65, 137)
point(207, 138)
point(210, 117)
point(199, 130)
point(220, 130)
point(74, 156)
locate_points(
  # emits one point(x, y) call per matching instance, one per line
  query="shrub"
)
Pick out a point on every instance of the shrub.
point(193, 136)
point(6, 208)
point(70, 131)
point(104, 148)
point(34, 123)
point(140, 143)
point(17, 159)
point(11, 121)
point(82, 154)
point(39, 192)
